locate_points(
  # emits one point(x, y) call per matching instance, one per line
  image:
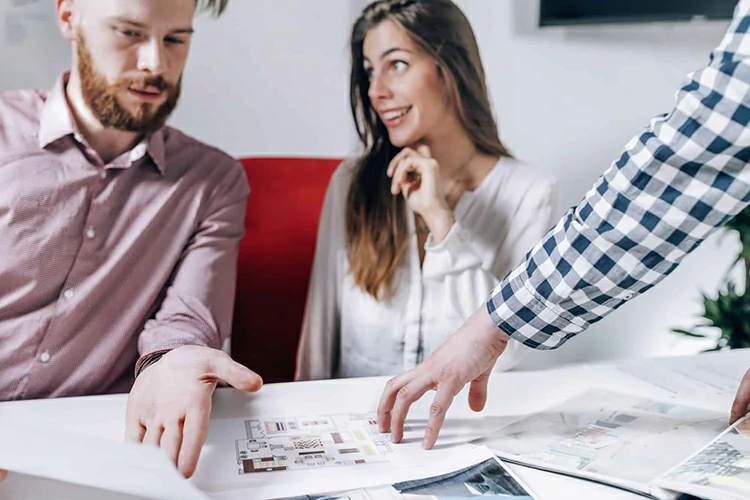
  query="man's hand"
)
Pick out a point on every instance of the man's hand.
point(741, 406)
point(468, 356)
point(170, 403)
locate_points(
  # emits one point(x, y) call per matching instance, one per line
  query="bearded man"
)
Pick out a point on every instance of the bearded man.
point(119, 235)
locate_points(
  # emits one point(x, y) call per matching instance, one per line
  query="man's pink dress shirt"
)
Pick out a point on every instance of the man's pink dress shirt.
point(103, 263)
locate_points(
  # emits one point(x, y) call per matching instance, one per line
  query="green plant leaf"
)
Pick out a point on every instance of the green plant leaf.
point(729, 310)
point(688, 333)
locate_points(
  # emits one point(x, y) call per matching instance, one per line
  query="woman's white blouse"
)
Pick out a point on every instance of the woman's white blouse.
point(347, 333)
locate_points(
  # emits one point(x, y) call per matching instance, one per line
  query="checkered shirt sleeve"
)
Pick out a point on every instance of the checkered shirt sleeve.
point(675, 184)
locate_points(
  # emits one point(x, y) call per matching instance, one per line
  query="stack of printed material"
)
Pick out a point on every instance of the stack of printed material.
point(651, 447)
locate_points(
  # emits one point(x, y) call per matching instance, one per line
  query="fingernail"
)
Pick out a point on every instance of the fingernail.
point(425, 444)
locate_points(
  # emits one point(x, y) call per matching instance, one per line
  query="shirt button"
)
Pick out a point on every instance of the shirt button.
point(628, 295)
point(68, 294)
point(91, 233)
point(44, 357)
point(103, 175)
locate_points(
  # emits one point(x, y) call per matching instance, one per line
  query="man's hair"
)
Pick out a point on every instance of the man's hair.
point(215, 7)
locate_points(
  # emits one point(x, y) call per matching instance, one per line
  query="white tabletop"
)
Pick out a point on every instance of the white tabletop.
point(511, 394)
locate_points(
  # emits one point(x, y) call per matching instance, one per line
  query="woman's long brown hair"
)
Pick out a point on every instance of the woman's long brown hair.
point(377, 234)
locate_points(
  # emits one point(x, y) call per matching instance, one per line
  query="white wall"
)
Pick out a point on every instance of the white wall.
point(32, 53)
point(270, 78)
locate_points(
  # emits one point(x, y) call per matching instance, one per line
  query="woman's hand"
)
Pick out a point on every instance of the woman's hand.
point(415, 174)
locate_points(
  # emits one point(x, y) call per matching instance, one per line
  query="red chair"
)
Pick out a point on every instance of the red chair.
point(275, 260)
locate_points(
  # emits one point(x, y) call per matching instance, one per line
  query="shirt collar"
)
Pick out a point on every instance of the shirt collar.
point(152, 145)
point(56, 122)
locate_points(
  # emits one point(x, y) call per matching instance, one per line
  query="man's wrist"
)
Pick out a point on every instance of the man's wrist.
point(148, 360)
point(497, 339)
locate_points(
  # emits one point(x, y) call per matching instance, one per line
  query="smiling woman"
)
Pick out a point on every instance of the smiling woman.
point(417, 231)
point(435, 41)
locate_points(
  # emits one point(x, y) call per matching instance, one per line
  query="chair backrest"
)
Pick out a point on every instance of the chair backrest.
point(275, 260)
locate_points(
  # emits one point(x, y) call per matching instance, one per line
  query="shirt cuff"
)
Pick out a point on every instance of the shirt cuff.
point(429, 245)
point(520, 312)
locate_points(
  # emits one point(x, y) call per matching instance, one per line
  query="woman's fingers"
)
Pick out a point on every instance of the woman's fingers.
point(405, 169)
point(404, 153)
point(408, 169)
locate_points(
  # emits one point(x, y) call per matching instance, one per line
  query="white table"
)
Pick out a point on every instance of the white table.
point(511, 394)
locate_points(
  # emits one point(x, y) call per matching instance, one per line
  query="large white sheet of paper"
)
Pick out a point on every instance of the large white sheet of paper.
point(698, 379)
point(133, 469)
point(22, 487)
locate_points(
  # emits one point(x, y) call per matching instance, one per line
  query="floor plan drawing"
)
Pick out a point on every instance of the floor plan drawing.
point(282, 454)
point(282, 444)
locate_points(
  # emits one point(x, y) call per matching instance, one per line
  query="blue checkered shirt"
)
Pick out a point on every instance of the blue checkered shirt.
point(675, 184)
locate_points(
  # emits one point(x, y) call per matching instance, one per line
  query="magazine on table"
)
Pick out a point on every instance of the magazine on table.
point(488, 478)
point(654, 448)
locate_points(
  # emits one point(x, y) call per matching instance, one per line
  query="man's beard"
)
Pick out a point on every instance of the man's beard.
point(101, 97)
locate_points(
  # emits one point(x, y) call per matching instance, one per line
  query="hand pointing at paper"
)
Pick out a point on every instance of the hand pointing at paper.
point(467, 357)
